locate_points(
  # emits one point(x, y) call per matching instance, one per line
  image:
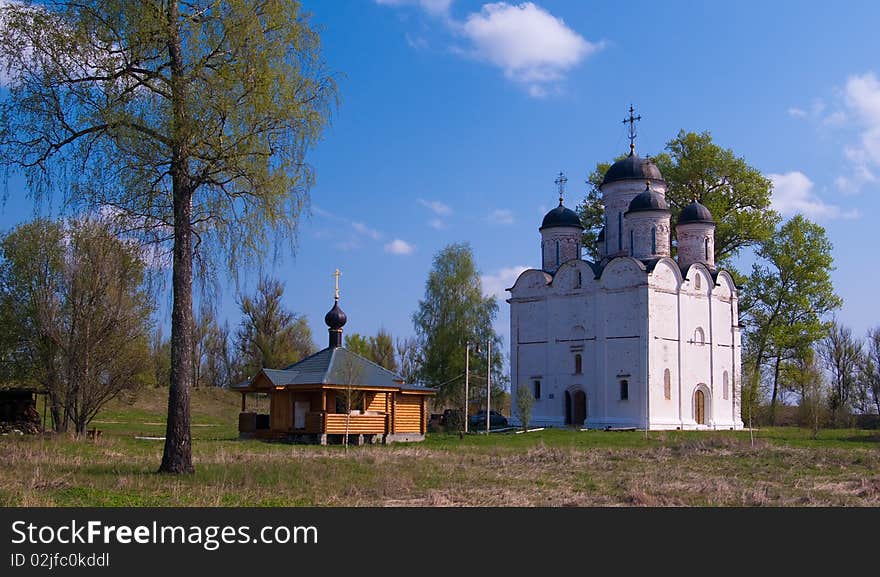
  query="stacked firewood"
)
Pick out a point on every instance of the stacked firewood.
point(25, 422)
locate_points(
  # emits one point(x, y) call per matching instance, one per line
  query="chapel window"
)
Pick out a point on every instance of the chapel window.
point(667, 385)
point(536, 388)
point(653, 240)
point(624, 389)
point(697, 282)
point(699, 336)
point(706, 242)
point(578, 364)
point(726, 386)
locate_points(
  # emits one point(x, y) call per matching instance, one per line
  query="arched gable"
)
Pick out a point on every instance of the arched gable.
point(666, 275)
point(700, 280)
point(530, 282)
point(622, 272)
point(724, 285)
point(572, 275)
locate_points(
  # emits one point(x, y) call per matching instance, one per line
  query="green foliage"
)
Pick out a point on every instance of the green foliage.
point(694, 167)
point(74, 304)
point(524, 402)
point(787, 297)
point(737, 195)
point(453, 313)
point(379, 349)
point(270, 336)
point(190, 122)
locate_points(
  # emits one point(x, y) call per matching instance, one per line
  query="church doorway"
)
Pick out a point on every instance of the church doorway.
point(575, 408)
point(700, 407)
point(579, 409)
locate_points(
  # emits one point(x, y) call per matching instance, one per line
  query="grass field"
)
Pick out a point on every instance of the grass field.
point(785, 467)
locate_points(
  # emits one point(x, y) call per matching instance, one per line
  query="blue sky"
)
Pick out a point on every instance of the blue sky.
point(456, 116)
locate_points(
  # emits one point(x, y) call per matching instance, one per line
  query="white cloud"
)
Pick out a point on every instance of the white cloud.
point(435, 7)
point(436, 207)
point(401, 247)
point(363, 229)
point(796, 112)
point(531, 46)
point(497, 284)
point(793, 194)
point(437, 223)
point(501, 216)
point(861, 98)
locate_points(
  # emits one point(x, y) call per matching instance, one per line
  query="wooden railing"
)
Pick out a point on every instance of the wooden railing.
point(334, 424)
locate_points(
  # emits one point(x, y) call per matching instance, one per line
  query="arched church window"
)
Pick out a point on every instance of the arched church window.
point(557, 253)
point(699, 336)
point(579, 280)
point(667, 385)
point(653, 240)
point(536, 388)
point(706, 242)
point(578, 364)
point(726, 386)
point(697, 282)
point(619, 231)
point(624, 389)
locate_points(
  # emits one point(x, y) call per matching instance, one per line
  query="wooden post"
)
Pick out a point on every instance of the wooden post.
point(393, 411)
point(422, 426)
point(324, 400)
point(243, 402)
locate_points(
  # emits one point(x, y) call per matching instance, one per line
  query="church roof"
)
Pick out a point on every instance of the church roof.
point(633, 167)
point(647, 201)
point(695, 212)
point(561, 216)
point(336, 366)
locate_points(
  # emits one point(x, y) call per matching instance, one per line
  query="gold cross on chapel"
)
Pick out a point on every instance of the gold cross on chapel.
point(336, 274)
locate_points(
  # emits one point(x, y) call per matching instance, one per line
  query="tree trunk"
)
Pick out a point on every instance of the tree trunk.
point(775, 391)
point(177, 456)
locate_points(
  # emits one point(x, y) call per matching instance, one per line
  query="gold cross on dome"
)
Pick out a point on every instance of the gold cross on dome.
point(336, 274)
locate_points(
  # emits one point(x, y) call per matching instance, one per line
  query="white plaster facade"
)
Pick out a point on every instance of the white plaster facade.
point(628, 341)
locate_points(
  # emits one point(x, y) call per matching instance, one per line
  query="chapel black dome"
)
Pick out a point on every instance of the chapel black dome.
point(561, 216)
point(648, 200)
point(695, 212)
point(633, 167)
point(335, 318)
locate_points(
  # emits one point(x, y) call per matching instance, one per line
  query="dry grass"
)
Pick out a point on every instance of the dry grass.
point(553, 468)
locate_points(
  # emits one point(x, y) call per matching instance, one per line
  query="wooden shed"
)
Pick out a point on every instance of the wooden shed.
point(334, 393)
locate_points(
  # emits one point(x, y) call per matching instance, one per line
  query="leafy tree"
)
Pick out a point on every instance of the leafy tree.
point(694, 167)
point(524, 401)
point(191, 121)
point(357, 343)
point(787, 296)
point(842, 354)
point(160, 357)
point(382, 350)
point(408, 358)
point(92, 335)
point(453, 313)
point(379, 348)
point(269, 335)
point(871, 368)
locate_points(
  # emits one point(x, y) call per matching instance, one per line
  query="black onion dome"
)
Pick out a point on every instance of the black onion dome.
point(561, 216)
point(695, 212)
point(336, 318)
point(633, 167)
point(646, 201)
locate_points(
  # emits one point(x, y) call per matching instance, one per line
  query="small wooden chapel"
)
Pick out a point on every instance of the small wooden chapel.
point(332, 394)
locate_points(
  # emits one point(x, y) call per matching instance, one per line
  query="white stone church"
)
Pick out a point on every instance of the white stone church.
point(637, 339)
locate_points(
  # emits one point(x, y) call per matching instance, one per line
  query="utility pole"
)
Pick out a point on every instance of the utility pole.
point(488, 381)
point(467, 374)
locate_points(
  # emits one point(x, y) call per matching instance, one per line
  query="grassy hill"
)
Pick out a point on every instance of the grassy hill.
point(784, 467)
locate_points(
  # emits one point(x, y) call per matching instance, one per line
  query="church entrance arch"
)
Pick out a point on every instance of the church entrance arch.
point(579, 408)
point(701, 404)
point(575, 408)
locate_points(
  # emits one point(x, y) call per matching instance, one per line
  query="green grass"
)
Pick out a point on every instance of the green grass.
point(553, 467)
